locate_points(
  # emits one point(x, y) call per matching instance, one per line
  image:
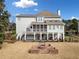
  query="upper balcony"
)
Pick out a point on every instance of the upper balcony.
point(37, 28)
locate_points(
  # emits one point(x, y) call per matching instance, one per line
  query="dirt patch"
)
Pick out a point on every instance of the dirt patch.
point(19, 50)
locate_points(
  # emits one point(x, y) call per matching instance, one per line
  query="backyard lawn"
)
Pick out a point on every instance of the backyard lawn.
point(19, 50)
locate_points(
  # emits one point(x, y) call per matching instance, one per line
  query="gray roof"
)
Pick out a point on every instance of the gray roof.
point(25, 15)
point(50, 22)
point(44, 14)
point(54, 22)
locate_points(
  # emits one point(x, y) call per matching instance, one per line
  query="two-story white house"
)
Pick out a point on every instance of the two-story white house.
point(41, 26)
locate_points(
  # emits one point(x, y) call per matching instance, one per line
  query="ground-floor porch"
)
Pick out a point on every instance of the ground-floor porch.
point(42, 36)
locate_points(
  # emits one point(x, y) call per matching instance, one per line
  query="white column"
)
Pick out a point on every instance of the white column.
point(40, 27)
point(25, 32)
point(63, 36)
point(25, 35)
point(34, 35)
point(47, 37)
point(40, 36)
point(58, 36)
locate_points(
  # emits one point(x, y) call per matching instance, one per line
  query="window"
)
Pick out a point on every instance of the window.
point(39, 18)
point(50, 21)
point(61, 27)
point(41, 27)
point(34, 27)
point(53, 26)
point(57, 26)
point(50, 27)
point(37, 27)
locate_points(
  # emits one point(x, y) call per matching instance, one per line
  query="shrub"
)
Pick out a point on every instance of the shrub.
point(13, 32)
point(1, 38)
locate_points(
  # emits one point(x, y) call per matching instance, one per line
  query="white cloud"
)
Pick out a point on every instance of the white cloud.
point(73, 17)
point(35, 9)
point(25, 3)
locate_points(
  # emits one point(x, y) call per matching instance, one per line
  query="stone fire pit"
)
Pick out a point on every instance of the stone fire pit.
point(43, 49)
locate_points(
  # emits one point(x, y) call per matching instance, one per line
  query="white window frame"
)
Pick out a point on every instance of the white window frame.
point(40, 19)
point(50, 27)
point(53, 27)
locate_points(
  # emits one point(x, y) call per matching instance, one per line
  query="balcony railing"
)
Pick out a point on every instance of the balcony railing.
point(39, 30)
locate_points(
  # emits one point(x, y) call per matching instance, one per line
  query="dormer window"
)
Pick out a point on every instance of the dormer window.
point(40, 19)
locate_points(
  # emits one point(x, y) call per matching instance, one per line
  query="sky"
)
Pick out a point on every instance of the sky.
point(68, 8)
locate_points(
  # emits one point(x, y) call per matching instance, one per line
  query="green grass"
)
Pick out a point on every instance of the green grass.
point(71, 38)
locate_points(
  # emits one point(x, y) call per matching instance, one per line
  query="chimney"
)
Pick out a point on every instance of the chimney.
point(59, 12)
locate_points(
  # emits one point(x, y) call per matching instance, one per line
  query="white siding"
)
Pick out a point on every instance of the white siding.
point(56, 30)
point(22, 23)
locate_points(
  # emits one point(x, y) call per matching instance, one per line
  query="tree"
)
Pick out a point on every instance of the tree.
point(12, 26)
point(71, 26)
point(74, 24)
point(1, 6)
point(4, 18)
